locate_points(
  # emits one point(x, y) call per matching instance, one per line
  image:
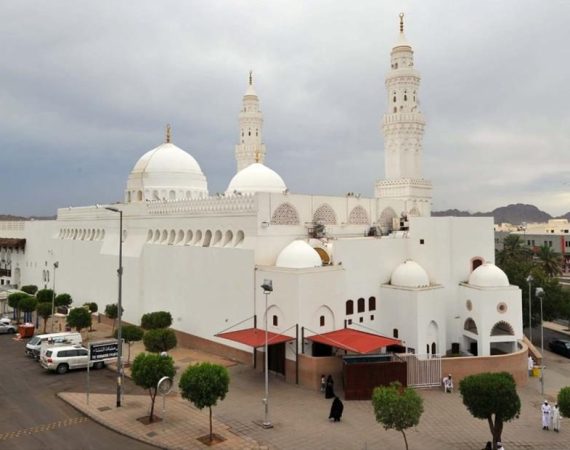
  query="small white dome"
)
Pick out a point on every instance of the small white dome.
point(298, 255)
point(488, 275)
point(409, 274)
point(256, 178)
point(166, 172)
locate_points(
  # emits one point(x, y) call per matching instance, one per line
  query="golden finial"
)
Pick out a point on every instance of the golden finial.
point(168, 133)
point(250, 77)
point(401, 22)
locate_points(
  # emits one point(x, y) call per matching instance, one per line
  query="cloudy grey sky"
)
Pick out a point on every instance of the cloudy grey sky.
point(86, 88)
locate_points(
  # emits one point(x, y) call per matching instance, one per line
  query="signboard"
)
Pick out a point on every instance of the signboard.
point(103, 350)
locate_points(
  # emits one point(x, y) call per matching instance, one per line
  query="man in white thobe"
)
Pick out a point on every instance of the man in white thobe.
point(555, 417)
point(530, 366)
point(546, 411)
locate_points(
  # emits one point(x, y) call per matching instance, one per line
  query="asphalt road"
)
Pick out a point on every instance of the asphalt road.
point(32, 417)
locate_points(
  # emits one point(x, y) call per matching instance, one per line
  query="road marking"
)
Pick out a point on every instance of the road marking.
point(44, 427)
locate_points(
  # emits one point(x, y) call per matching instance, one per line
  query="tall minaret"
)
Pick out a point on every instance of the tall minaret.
point(250, 148)
point(403, 128)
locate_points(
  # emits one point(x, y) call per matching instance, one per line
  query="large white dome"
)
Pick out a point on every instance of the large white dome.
point(409, 274)
point(166, 173)
point(488, 275)
point(298, 255)
point(256, 178)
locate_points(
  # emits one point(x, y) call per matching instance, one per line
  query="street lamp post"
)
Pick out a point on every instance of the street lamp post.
point(540, 294)
point(529, 280)
point(267, 287)
point(55, 266)
point(119, 308)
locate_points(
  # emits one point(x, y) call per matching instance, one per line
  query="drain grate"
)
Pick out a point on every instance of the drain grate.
point(152, 434)
point(104, 408)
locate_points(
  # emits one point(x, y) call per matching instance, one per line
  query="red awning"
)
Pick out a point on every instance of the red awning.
point(354, 340)
point(254, 337)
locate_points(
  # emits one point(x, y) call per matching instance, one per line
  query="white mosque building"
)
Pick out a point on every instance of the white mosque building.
point(380, 265)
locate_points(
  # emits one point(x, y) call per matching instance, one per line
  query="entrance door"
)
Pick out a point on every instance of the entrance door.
point(276, 358)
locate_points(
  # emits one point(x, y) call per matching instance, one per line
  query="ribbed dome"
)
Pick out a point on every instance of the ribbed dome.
point(256, 178)
point(166, 172)
point(409, 274)
point(298, 255)
point(488, 275)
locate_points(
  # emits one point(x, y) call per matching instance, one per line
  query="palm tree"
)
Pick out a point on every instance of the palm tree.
point(550, 260)
point(513, 249)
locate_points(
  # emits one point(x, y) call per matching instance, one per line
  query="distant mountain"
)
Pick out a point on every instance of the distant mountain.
point(514, 214)
point(8, 217)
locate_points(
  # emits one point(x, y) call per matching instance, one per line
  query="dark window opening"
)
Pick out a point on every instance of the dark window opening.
point(422, 241)
point(372, 317)
point(350, 321)
point(275, 321)
point(360, 305)
point(322, 321)
point(372, 304)
point(361, 319)
point(395, 333)
point(349, 307)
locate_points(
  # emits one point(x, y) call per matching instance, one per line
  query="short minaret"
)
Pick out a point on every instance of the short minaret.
point(403, 127)
point(250, 148)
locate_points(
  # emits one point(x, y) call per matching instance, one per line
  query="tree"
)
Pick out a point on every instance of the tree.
point(29, 289)
point(397, 407)
point(130, 333)
point(159, 340)
point(491, 396)
point(550, 260)
point(157, 319)
point(63, 300)
point(45, 295)
point(564, 401)
point(14, 302)
point(112, 312)
point(93, 308)
point(27, 304)
point(44, 311)
point(204, 384)
point(79, 318)
point(147, 370)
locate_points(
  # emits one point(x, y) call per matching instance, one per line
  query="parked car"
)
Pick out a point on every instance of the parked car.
point(560, 346)
point(68, 357)
point(34, 345)
point(10, 329)
point(5, 320)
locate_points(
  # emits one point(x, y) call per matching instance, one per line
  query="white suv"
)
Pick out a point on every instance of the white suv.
point(68, 357)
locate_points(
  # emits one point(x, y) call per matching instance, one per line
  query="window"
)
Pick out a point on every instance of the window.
point(350, 321)
point(322, 321)
point(422, 242)
point(361, 319)
point(476, 262)
point(360, 305)
point(372, 304)
point(275, 321)
point(372, 317)
point(349, 307)
point(395, 333)
point(433, 348)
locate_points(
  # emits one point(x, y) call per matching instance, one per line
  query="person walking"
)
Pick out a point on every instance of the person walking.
point(530, 366)
point(336, 410)
point(329, 388)
point(546, 410)
point(555, 418)
point(323, 382)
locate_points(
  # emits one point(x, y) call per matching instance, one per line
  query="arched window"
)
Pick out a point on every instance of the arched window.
point(275, 321)
point(502, 328)
point(433, 348)
point(285, 214)
point(361, 305)
point(470, 326)
point(372, 304)
point(349, 307)
point(395, 333)
point(325, 215)
point(322, 321)
point(358, 216)
point(405, 96)
point(476, 262)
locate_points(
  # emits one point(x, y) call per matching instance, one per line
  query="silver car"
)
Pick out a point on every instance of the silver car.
point(8, 329)
point(68, 357)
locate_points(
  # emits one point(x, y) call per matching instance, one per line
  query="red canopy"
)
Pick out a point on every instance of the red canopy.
point(254, 337)
point(354, 340)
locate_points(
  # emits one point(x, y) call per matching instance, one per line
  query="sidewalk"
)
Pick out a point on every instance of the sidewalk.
point(299, 416)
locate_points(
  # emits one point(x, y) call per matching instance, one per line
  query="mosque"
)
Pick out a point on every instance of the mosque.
point(379, 267)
